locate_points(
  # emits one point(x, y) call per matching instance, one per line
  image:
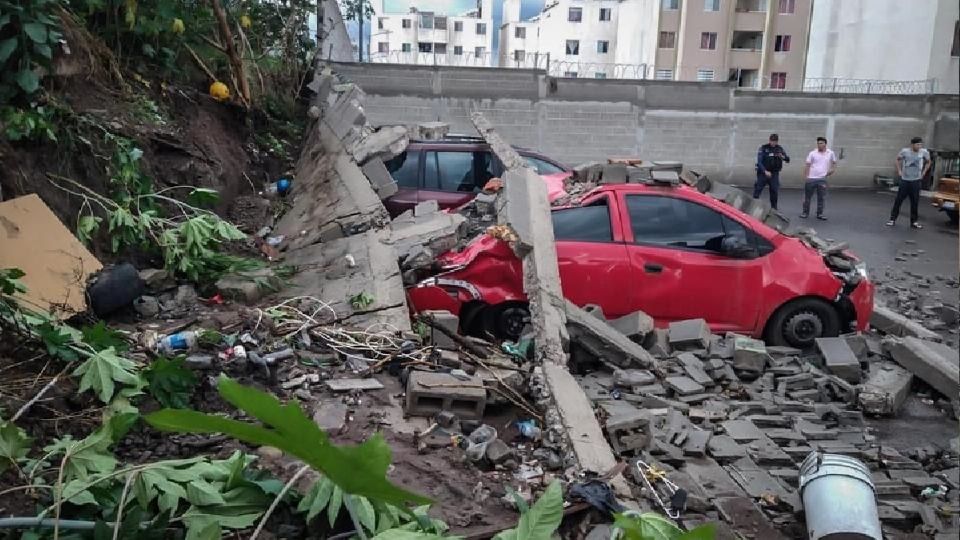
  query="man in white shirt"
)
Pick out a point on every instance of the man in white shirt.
point(820, 164)
point(913, 163)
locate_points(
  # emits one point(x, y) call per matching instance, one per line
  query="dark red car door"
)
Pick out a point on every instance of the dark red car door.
point(452, 177)
point(679, 269)
point(591, 256)
point(405, 169)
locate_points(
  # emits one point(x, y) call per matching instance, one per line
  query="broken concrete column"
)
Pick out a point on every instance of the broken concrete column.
point(604, 341)
point(885, 390)
point(934, 363)
point(890, 322)
point(450, 322)
point(384, 143)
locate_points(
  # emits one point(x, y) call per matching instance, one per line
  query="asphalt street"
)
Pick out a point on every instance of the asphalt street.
point(858, 217)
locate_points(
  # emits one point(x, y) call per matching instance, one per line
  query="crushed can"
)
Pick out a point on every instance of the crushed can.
point(280, 188)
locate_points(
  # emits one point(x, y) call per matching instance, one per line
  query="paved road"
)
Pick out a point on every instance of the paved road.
point(858, 217)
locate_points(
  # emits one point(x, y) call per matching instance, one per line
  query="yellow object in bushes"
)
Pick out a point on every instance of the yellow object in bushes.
point(177, 26)
point(245, 21)
point(219, 91)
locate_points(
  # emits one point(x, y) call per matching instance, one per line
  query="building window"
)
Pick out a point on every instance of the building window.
point(458, 26)
point(520, 32)
point(705, 75)
point(426, 20)
point(457, 50)
point(711, 5)
point(663, 75)
point(599, 75)
point(425, 47)
point(481, 29)
point(575, 14)
point(603, 47)
point(606, 14)
point(406, 47)
point(383, 47)
point(519, 55)
point(380, 23)
point(440, 48)
point(668, 40)
point(670, 5)
point(955, 48)
point(406, 23)
point(778, 80)
point(440, 23)
point(570, 74)
point(573, 47)
point(782, 44)
point(708, 40)
point(788, 6)
point(479, 51)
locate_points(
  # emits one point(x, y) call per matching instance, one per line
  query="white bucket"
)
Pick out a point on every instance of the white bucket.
point(838, 498)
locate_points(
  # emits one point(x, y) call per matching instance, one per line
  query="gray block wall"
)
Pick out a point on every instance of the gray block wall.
point(711, 127)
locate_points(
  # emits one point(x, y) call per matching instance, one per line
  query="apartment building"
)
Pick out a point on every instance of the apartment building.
point(882, 45)
point(757, 43)
point(431, 37)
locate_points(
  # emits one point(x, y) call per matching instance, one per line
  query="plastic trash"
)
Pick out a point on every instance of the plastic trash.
point(177, 343)
point(478, 441)
point(529, 430)
point(280, 188)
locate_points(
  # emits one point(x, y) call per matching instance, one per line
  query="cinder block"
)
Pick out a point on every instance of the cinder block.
point(749, 355)
point(839, 359)
point(635, 326)
point(449, 321)
point(885, 390)
point(629, 432)
point(690, 334)
point(429, 393)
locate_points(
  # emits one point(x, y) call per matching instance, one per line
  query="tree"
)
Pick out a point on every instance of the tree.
point(357, 10)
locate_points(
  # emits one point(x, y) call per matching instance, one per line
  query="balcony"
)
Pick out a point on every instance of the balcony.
point(749, 22)
point(744, 59)
point(751, 6)
point(746, 41)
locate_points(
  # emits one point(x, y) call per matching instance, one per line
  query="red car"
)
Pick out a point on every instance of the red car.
point(668, 250)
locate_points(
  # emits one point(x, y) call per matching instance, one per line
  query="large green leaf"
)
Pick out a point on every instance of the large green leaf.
point(707, 531)
point(7, 47)
point(101, 371)
point(14, 444)
point(652, 526)
point(363, 509)
point(88, 456)
point(203, 493)
point(543, 518)
point(401, 534)
point(317, 499)
point(37, 32)
point(27, 80)
point(336, 502)
point(359, 470)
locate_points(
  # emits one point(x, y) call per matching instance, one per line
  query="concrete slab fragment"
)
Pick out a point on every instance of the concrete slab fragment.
point(689, 334)
point(885, 390)
point(934, 363)
point(604, 341)
point(839, 359)
point(683, 386)
point(742, 430)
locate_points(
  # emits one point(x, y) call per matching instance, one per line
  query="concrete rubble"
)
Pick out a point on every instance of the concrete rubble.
point(726, 417)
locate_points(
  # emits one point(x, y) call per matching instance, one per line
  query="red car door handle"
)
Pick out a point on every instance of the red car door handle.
point(652, 268)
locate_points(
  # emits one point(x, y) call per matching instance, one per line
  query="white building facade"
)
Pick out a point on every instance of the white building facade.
point(433, 38)
point(860, 45)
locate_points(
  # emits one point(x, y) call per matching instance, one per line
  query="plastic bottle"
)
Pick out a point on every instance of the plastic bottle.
point(179, 342)
point(276, 189)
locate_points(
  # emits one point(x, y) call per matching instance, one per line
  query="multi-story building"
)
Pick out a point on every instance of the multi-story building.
point(885, 46)
point(758, 43)
point(428, 37)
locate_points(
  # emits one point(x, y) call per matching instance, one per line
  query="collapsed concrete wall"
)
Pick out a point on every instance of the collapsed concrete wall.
point(712, 127)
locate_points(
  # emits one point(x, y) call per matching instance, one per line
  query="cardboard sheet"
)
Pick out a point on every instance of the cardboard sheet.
point(56, 263)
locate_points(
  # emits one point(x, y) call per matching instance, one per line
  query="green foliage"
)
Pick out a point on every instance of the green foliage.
point(14, 445)
point(362, 300)
point(102, 371)
point(541, 520)
point(57, 341)
point(34, 123)
point(10, 283)
point(101, 337)
point(359, 470)
point(89, 456)
point(651, 526)
point(29, 32)
point(170, 382)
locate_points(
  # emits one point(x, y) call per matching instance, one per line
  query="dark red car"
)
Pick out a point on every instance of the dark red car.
point(453, 171)
point(670, 251)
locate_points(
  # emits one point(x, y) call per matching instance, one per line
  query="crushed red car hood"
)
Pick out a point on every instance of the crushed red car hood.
point(556, 185)
point(483, 244)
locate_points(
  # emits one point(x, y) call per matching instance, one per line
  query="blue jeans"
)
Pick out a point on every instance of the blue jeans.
point(773, 181)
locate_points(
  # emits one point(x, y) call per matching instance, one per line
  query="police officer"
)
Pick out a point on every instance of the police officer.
point(770, 160)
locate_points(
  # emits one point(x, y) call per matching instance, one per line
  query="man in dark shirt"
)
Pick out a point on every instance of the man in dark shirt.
point(770, 160)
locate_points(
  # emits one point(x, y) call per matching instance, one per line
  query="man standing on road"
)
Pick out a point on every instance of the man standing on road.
point(913, 163)
point(820, 164)
point(770, 159)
